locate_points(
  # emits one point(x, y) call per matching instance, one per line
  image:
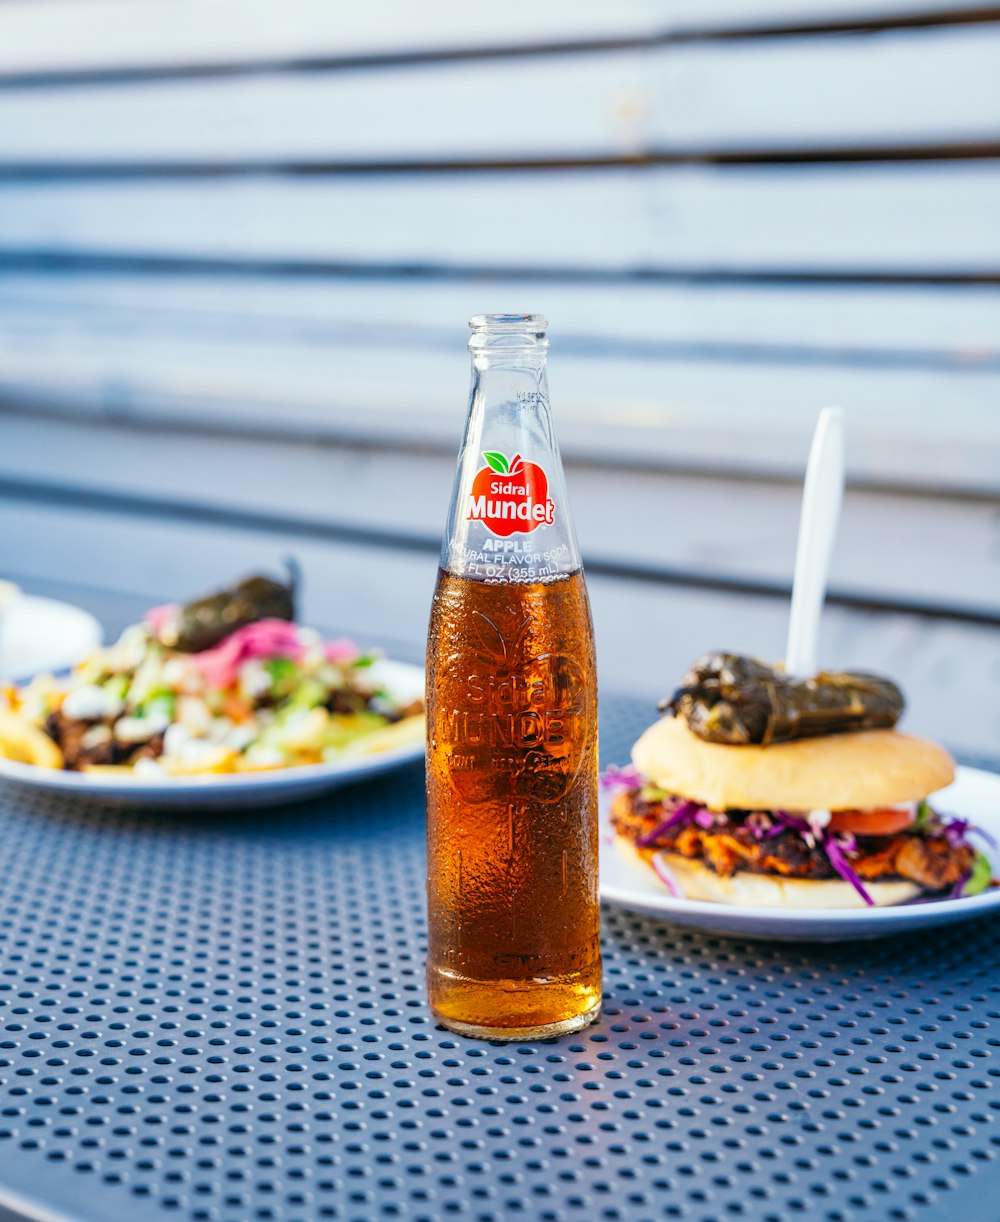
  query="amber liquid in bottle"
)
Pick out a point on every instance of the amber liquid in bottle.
point(512, 797)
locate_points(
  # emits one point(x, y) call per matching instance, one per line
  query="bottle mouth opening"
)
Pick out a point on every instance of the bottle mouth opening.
point(536, 324)
point(496, 337)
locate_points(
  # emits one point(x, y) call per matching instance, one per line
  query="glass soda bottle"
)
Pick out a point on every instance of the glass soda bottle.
point(511, 719)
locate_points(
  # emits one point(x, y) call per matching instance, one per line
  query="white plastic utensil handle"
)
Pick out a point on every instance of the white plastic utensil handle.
point(821, 497)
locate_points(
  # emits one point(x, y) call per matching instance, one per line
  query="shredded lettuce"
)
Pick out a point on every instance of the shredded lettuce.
point(980, 876)
point(308, 694)
point(284, 674)
point(162, 703)
point(116, 686)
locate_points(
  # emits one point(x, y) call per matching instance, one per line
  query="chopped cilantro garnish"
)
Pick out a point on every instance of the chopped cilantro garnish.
point(281, 668)
point(284, 676)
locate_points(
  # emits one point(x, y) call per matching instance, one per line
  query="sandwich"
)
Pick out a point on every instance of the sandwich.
point(757, 790)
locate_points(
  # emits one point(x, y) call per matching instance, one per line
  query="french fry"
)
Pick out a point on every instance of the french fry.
point(207, 763)
point(398, 734)
point(24, 742)
point(243, 764)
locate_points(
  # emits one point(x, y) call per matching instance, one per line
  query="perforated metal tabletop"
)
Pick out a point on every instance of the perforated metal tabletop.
point(221, 1019)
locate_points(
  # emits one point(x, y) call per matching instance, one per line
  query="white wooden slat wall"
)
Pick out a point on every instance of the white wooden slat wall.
point(931, 427)
point(346, 322)
point(851, 219)
point(916, 323)
point(48, 34)
point(895, 546)
point(697, 374)
point(918, 86)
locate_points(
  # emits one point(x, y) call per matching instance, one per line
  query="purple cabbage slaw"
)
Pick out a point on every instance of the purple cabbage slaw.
point(835, 845)
point(613, 777)
point(666, 876)
point(680, 816)
point(956, 831)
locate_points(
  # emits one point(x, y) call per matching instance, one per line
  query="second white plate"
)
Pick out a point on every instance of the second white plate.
point(975, 795)
point(43, 634)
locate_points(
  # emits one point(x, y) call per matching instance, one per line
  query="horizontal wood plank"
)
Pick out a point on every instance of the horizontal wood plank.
point(96, 34)
point(749, 95)
point(892, 547)
point(823, 91)
point(782, 220)
point(914, 426)
point(466, 109)
point(906, 326)
point(646, 634)
point(710, 375)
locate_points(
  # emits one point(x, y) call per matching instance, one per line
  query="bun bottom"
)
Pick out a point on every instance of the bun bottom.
point(697, 881)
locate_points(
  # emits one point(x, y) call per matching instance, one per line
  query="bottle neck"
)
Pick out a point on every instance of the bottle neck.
point(510, 519)
point(510, 390)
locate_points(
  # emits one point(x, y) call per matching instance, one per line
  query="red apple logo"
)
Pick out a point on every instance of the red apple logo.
point(510, 497)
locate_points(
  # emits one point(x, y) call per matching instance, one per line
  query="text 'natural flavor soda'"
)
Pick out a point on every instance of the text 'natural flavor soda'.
point(512, 719)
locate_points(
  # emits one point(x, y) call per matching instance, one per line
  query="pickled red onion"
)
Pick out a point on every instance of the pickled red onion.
point(265, 638)
point(340, 650)
point(156, 617)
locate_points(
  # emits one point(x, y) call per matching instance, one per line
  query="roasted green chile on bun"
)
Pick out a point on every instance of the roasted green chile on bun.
point(732, 699)
point(832, 821)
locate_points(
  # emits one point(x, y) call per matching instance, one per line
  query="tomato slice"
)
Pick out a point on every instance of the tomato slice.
point(876, 822)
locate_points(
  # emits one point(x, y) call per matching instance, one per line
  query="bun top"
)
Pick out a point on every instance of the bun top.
point(838, 772)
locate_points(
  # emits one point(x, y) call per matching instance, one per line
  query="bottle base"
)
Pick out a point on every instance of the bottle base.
point(543, 1031)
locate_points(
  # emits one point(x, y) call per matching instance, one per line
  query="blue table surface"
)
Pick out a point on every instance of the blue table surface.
point(221, 1018)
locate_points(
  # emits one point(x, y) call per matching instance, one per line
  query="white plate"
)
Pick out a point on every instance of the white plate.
point(234, 790)
point(42, 634)
point(975, 795)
